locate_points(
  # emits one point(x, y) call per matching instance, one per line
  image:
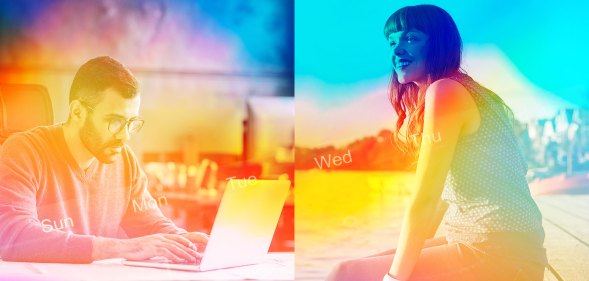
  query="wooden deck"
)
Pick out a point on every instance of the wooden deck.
point(566, 223)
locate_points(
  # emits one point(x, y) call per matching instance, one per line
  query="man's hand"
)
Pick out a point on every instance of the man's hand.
point(172, 246)
point(198, 238)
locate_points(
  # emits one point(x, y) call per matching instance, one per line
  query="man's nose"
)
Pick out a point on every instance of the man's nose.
point(123, 134)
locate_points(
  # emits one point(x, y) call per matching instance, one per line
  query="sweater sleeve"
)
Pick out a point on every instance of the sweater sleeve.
point(22, 236)
point(143, 216)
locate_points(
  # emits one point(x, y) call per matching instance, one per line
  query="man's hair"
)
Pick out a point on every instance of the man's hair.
point(99, 74)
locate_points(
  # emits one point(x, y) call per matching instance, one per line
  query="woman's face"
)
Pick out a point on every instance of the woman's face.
point(408, 55)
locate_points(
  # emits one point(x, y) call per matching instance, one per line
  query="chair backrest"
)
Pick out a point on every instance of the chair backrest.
point(23, 107)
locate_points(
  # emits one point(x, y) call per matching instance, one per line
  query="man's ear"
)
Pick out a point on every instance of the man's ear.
point(77, 113)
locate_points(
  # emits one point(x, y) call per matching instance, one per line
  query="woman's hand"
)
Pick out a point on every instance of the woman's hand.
point(388, 277)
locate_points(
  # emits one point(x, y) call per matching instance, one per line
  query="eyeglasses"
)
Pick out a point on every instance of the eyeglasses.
point(115, 126)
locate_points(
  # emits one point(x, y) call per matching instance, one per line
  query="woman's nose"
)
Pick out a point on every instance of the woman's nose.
point(398, 50)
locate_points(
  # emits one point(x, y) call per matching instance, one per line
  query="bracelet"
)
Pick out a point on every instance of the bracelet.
point(388, 277)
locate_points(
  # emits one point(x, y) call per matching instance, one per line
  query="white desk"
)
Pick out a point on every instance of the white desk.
point(276, 266)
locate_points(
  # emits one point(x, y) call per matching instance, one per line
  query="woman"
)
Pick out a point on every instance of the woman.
point(468, 167)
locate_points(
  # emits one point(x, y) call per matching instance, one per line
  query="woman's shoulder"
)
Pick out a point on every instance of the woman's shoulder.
point(448, 90)
point(451, 96)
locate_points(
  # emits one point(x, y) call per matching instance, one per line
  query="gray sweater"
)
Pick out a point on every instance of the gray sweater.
point(51, 210)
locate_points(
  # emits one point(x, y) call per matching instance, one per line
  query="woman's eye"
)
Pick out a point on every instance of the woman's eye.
point(392, 44)
point(411, 38)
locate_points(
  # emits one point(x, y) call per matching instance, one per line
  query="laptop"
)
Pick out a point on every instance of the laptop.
point(243, 228)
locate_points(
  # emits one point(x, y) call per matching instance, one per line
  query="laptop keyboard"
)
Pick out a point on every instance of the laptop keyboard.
point(164, 260)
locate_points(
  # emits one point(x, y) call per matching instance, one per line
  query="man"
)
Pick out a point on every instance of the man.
point(68, 192)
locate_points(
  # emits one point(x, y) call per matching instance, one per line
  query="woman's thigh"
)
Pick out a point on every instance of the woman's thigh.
point(437, 241)
point(454, 262)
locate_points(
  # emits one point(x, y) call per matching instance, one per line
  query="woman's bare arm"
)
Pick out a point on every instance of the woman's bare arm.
point(447, 109)
point(437, 219)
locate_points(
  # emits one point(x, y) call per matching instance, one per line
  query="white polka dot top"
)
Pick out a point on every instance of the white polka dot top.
point(486, 187)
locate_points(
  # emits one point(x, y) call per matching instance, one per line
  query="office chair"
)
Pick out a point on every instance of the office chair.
point(23, 107)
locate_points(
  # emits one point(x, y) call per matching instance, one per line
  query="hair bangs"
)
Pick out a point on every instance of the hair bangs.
point(396, 22)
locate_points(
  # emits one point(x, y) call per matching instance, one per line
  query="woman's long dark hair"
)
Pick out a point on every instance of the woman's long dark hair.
point(443, 57)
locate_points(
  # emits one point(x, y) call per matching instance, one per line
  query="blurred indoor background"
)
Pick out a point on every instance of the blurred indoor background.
point(216, 81)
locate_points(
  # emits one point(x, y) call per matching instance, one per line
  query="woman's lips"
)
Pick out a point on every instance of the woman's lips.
point(403, 65)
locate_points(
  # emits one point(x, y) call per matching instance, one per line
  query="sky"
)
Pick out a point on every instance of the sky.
point(531, 53)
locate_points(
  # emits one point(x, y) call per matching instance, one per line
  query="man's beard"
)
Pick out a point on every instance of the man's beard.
point(92, 141)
